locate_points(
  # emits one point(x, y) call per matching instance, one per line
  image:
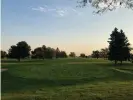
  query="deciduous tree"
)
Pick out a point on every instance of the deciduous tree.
point(106, 5)
point(20, 50)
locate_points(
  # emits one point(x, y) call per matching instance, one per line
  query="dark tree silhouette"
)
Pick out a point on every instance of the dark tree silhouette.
point(57, 52)
point(63, 54)
point(131, 58)
point(72, 54)
point(38, 53)
point(106, 5)
point(47, 52)
point(21, 50)
point(104, 53)
point(95, 54)
point(3, 54)
point(119, 49)
point(44, 48)
point(82, 55)
point(50, 53)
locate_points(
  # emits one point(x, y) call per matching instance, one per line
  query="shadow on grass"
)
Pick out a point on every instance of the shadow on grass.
point(10, 61)
point(10, 83)
point(111, 64)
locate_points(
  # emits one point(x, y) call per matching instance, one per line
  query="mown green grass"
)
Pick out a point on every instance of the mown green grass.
point(66, 79)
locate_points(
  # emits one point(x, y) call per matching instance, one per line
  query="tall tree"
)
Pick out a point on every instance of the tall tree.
point(119, 49)
point(3, 54)
point(107, 5)
point(21, 50)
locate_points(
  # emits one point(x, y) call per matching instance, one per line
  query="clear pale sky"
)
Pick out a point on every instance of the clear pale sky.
point(59, 23)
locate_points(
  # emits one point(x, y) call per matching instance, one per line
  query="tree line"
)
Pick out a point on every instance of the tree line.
point(103, 53)
point(119, 50)
point(22, 50)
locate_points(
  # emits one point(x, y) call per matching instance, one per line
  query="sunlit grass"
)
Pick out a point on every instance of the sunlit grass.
point(67, 79)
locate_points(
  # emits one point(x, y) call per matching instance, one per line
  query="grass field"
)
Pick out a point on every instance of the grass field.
point(66, 79)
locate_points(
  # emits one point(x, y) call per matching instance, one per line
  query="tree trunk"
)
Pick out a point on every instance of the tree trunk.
point(19, 59)
point(121, 62)
point(115, 62)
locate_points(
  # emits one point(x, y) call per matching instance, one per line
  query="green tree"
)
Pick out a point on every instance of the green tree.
point(107, 5)
point(119, 49)
point(96, 54)
point(57, 52)
point(38, 53)
point(82, 55)
point(63, 54)
point(3, 54)
point(72, 54)
point(20, 50)
point(50, 53)
point(104, 53)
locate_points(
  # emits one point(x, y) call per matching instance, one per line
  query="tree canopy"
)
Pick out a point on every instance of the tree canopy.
point(82, 55)
point(47, 52)
point(106, 5)
point(38, 53)
point(72, 54)
point(3, 54)
point(95, 54)
point(104, 53)
point(20, 50)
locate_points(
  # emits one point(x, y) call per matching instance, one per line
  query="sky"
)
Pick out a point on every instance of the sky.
point(60, 23)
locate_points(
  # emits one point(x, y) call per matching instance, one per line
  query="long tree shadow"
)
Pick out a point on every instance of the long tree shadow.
point(111, 64)
point(10, 83)
point(22, 61)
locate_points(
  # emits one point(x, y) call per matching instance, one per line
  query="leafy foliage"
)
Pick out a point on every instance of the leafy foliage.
point(48, 52)
point(104, 53)
point(82, 55)
point(63, 54)
point(38, 53)
point(107, 5)
point(21, 50)
point(3, 54)
point(95, 54)
point(72, 54)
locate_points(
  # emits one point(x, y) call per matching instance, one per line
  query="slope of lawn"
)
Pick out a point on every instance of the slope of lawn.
point(66, 79)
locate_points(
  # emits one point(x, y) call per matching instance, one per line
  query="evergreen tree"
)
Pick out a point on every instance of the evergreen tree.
point(119, 49)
